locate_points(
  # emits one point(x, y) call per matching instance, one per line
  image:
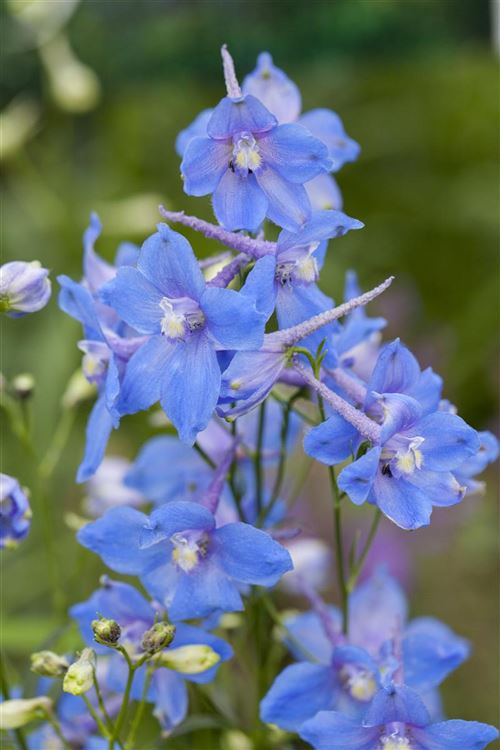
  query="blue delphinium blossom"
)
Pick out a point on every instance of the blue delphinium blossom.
point(107, 345)
point(187, 322)
point(333, 672)
point(254, 167)
point(410, 469)
point(24, 288)
point(396, 720)
point(191, 567)
point(135, 615)
point(15, 512)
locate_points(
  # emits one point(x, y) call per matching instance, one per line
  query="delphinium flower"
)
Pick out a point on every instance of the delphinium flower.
point(281, 96)
point(396, 720)
point(254, 167)
point(107, 345)
point(24, 288)
point(408, 467)
point(135, 615)
point(107, 488)
point(344, 673)
point(15, 512)
point(187, 322)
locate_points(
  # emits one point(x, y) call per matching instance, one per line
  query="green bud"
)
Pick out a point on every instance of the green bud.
point(188, 659)
point(48, 664)
point(158, 637)
point(80, 676)
point(106, 632)
point(17, 713)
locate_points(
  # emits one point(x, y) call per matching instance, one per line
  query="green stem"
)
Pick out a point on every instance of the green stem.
point(358, 566)
point(258, 457)
point(129, 742)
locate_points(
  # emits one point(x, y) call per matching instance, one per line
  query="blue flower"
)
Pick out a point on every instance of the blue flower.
point(15, 512)
point(396, 720)
point(24, 288)
point(191, 567)
point(187, 322)
point(345, 675)
point(253, 166)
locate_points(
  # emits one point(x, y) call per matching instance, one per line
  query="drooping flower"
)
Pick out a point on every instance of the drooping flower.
point(253, 166)
point(335, 673)
point(396, 720)
point(15, 512)
point(187, 322)
point(191, 567)
point(24, 288)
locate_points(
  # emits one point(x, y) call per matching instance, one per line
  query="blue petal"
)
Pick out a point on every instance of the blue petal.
point(197, 128)
point(99, 427)
point(455, 735)
point(327, 126)
point(402, 502)
point(233, 116)
point(448, 441)
point(259, 285)
point(141, 386)
point(289, 205)
point(431, 651)
point(274, 89)
point(323, 225)
point(135, 299)
point(249, 555)
point(239, 203)
point(232, 319)
point(331, 442)
point(357, 479)
point(293, 152)
point(168, 261)
point(330, 730)
point(115, 537)
point(297, 694)
point(378, 610)
point(191, 385)
point(396, 704)
point(203, 165)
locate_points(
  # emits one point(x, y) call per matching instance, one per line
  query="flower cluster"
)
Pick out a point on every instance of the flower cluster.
point(248, 358)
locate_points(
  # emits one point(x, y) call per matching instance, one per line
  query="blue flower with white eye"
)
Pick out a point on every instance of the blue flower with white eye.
point(15, 512)
point(124, 604)
point(254, 167)
point(396, 720)
point(191, 567)
point(410, 469)
point(24, 288)
point(107, 345)
point(344, 674)
point(187, 322)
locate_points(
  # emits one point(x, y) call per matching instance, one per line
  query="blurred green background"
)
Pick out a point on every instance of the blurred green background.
point(93, 95)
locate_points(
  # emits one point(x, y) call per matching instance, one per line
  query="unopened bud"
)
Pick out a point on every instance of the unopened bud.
point(23, 386)
point(106, 632)
point(188, 659)
point(48, 664)
point(80, 676)
point(158, 637)
point(17, 713)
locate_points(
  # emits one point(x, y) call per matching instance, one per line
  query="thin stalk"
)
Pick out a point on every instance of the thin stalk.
point(258, 457)
point(358, 566)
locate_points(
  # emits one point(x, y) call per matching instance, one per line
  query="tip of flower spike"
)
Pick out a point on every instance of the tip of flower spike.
point(232, 85)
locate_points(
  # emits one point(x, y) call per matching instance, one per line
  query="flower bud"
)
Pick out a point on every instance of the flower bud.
point(23, 386)
point(16, 713)
point(24, 288)
point(15, 512)
point(158, 637)
point(106, 632)
point(80, 676)
point(188, 659)
point(48, 664)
